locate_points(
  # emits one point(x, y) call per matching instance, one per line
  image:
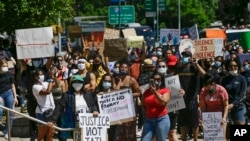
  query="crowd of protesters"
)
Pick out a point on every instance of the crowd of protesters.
point(58, 88)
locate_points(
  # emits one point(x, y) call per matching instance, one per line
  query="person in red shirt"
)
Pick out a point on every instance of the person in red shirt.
point(214, 98)
point(154, 102)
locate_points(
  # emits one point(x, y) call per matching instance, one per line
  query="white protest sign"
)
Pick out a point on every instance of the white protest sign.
point(143, 88)
point(34, 43)
point(172, 35)
point(219, 43)
point(213, 130)
point(186, 45)
point(94, 128)
point(119, 105)
point(135, 41)
point(176, 100)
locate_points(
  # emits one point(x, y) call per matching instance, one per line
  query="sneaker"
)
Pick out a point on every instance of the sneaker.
point(23, 110)
point(6, 136)
point(138, 134)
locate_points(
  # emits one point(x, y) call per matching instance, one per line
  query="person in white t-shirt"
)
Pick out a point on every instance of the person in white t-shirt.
point(45, 104)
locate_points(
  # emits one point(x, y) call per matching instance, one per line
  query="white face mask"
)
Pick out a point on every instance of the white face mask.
point(162, 70)
point(234, 72)
point(41, 78)
point(81, 66)
point(5, 69)
point(106, 85)
point(75, 62)
point(116, 70)
point(74, 71)
point(77, 86)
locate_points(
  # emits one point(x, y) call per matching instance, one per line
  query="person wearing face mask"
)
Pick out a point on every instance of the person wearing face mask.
point(245, 71)
point(214, 98)
point(190, 81)
point(42, 92)
point(157, 122)
point(106, 85)
point(77, 100)
point(89, 83)
point(236, 86)
point(8, 96)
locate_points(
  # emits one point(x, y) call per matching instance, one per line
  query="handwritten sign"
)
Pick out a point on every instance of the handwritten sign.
point(135, 41)
point(119, 105)
point(34, 43)
point(129, 32)
point(219, 43)
point(94, 128)
point(111, 33)
point(115, 49)
point(171, 35)
point(204, 48)
point(213, 131)
point(176, 100)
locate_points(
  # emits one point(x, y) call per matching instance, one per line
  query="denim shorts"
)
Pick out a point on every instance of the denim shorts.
point(238, 113)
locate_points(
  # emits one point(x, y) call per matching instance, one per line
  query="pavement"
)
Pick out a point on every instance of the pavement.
point(28, 139)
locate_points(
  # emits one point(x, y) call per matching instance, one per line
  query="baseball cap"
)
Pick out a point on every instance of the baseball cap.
point(172, 60)
point(186, 54)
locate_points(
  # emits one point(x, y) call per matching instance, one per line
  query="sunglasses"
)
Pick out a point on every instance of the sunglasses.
point(161, 66)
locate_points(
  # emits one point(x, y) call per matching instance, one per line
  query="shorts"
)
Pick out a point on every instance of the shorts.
point(189, 116)
point(173, 120)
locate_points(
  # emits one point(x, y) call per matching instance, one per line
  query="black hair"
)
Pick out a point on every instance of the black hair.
point(163, 85)
point(35, 74)
point(100, 87)
point(227, 63)
point(208, 79)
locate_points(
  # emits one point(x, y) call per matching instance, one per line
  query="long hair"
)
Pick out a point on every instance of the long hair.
point(163, 85)
point(100, 87)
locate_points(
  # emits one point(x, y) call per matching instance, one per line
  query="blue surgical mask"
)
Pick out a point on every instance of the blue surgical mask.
point(185, 60)
point(246, 68)
point(159, 53)
point(36, 63)
point(217, 64)
point(132, 57)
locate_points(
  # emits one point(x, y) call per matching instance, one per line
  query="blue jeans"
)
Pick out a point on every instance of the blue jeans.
point(158, 127)
point(7, 99)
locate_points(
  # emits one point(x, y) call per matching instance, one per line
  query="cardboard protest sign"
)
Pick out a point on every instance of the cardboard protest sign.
point(219, 43)
point(129, 32)
point(115, 49)
point(135, 41)
point(204, 48)
point(74, 31)
point(119, 105)
point(34, 43)
point(176, 100)
point(111, 33)
point(186, 45)
point(171, 35)
point(212, 128)
point(94, 128)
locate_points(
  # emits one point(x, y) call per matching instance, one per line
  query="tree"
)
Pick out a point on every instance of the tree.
point(19, 14)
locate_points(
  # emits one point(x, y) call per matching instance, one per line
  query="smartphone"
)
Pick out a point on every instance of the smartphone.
point(151, 82)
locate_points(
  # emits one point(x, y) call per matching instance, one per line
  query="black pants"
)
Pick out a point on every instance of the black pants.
point(31, 108)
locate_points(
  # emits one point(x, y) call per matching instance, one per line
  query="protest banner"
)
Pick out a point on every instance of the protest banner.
point(219, 43)
point(34, 43)
point(110, 33)
point(129, 32)
point(135, 41)
point(119, 105)
point(204, 48)
point(193, 32)
point(94, 128)
point(176, 100)
point(212, 128)
point(171, 35)
point(186, 45)
point(74, 31)
point(115, 49)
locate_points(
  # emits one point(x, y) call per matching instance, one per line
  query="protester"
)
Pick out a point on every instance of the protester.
point(190, 82)
point(8, 96)
point(236, 86)
point(154, 102)
point(45, 105)
point(214, 98)
point(78, 100)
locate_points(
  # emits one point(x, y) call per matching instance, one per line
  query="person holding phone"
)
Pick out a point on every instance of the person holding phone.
point(154, 102)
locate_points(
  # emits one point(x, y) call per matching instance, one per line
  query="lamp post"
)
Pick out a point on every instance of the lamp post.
point(179, 16)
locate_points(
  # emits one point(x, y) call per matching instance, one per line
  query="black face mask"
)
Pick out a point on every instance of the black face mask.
point(211, 91)
point(123, 73)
